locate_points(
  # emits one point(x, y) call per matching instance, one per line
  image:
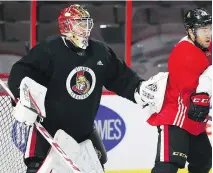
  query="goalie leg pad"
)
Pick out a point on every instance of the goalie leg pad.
point(83, 155)
point(99, 146)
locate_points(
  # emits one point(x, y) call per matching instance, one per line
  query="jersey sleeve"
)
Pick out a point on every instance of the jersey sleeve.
point(36, 65)
point(119, 78)
point(185, 68)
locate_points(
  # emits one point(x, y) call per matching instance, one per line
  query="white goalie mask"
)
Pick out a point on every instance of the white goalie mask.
point(75, 24)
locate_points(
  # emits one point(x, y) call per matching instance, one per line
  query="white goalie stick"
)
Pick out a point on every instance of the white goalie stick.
point(71, 165)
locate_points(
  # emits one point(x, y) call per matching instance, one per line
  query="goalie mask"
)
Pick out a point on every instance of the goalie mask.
point(200, 22)
point(75, 24)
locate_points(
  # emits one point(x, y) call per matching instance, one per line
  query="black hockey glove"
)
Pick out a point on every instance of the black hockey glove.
point(199, 106)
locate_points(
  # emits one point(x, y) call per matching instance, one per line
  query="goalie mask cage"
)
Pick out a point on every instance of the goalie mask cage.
point(13, 136)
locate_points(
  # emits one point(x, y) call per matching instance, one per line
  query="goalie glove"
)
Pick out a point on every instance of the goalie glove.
point(199, 106)
point(23, 114)
point(31, 103)
point(152, 91)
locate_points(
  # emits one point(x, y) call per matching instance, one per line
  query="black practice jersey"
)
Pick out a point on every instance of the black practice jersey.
point(74, 79)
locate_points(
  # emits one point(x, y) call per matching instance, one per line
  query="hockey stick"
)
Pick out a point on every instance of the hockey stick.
point(47, 136)
point(209, 118)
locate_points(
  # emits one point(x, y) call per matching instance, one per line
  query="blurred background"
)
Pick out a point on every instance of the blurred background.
point(143, 32)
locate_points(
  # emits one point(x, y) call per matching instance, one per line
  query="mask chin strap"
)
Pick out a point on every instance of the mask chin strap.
point(195, 41)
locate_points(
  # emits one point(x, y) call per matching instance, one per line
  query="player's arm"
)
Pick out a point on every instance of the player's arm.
point(185, 74)
point(200, 100)
point(119, 78)
point(123, 81)
point(35, 65)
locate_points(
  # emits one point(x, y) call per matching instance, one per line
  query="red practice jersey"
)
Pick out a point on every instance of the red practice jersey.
point(185, 65)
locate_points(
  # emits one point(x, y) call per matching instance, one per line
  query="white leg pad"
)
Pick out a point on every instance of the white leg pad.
point(83, 155)
point(88, 159)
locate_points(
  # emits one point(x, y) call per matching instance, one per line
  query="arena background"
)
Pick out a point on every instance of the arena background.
point(143, 33)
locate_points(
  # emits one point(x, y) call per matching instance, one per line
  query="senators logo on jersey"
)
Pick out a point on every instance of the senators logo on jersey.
point(81, 82)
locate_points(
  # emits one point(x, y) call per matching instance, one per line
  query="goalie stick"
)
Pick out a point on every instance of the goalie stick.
point(72, 166)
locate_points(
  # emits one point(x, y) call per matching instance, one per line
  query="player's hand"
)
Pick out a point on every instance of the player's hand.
point(24, 114)
point(152, 91)
point(139, 100)
point(199, 106)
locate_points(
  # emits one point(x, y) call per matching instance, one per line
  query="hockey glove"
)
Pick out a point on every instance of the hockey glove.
point(31, 103)
point(199, 106)
point(24, 115)
point(152, 91)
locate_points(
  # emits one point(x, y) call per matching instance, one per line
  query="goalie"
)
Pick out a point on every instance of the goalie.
point(74, 68)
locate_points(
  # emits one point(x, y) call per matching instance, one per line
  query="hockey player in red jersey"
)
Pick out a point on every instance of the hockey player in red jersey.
point(182, 120)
